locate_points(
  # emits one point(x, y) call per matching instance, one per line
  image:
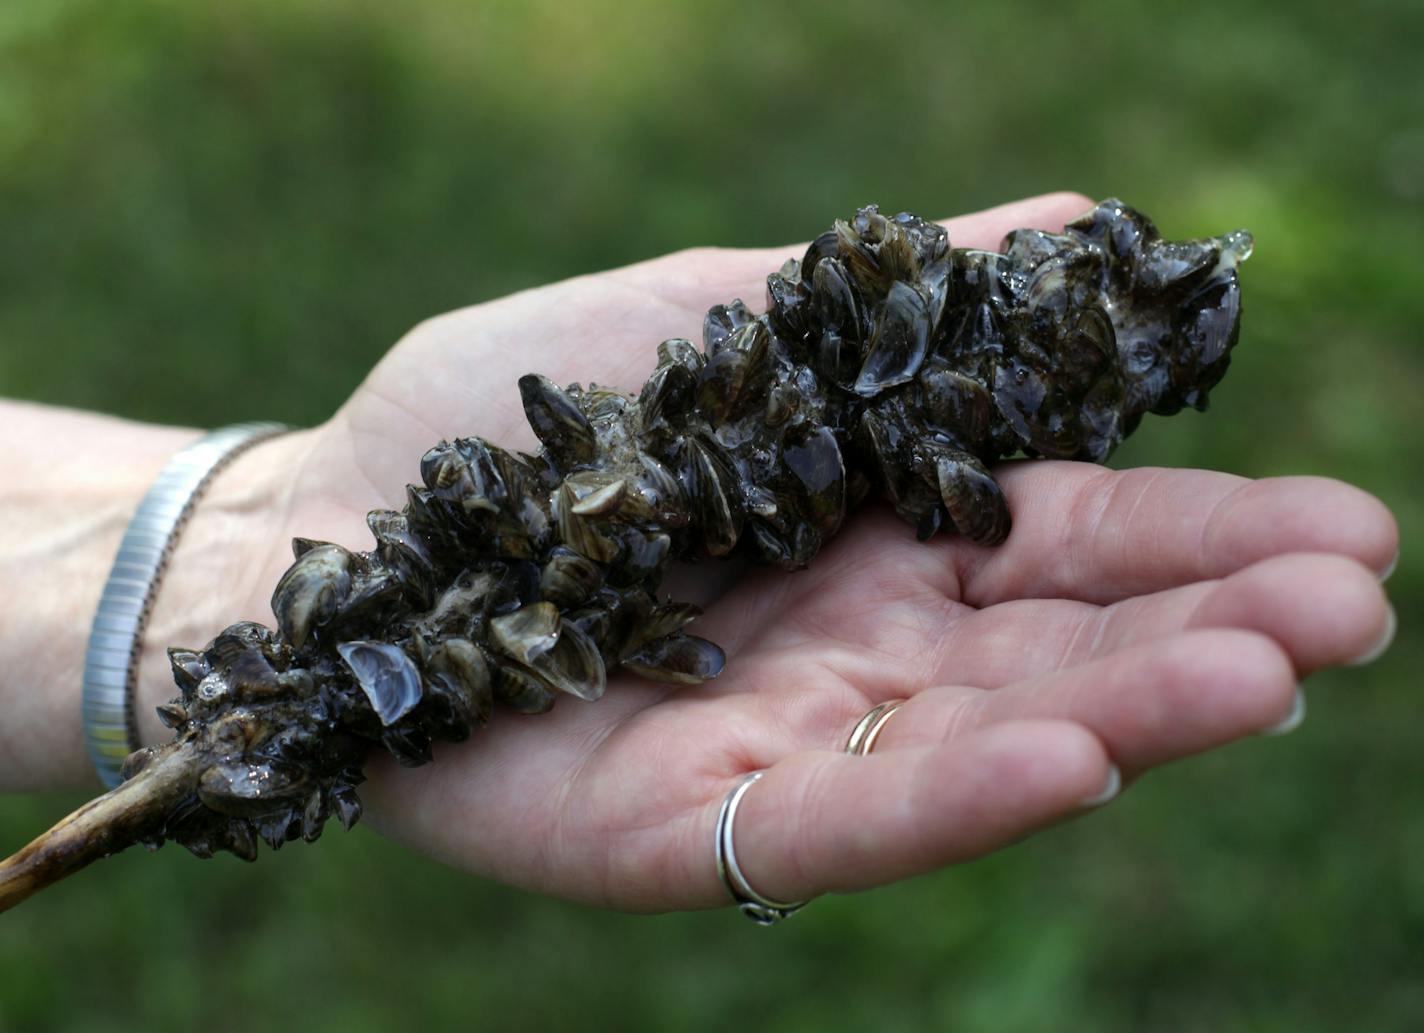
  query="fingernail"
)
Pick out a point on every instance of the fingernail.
point(1369, 656)
point(1291, 721)
point(1384, 574)
point(1111, 789)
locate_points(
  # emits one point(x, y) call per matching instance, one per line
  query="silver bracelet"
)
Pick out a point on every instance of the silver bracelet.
point(111, 663)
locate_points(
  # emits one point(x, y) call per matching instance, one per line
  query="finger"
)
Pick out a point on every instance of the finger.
point(1083, 532)
point(1319, 610)
point(828, 822)
point(1323, 610)
point(1148, 704)
point(878, 608)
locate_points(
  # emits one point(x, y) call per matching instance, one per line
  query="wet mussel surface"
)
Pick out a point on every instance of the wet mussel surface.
point(886, 363)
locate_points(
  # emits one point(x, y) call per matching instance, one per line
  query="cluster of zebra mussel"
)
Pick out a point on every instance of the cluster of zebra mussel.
point(886, 362)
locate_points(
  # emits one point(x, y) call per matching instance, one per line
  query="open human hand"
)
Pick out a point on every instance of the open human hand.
point(1130, 619)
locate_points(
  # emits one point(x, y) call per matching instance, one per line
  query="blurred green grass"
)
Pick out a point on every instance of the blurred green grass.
point(211, 213)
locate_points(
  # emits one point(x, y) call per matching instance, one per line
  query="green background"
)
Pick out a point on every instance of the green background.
point(218, 212)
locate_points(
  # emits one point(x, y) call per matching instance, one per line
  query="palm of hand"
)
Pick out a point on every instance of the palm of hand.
point(1130, 619)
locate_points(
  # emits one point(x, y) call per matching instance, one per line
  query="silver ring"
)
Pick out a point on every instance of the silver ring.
point(862, 738)
point(759, 909)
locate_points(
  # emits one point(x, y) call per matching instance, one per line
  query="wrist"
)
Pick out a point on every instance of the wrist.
point(69, 483)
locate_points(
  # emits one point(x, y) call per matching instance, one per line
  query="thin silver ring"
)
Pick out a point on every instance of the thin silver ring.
point(862, 738)
point(761, 910)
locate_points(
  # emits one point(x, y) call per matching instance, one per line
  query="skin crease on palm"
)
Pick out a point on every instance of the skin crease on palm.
point(1132, 618)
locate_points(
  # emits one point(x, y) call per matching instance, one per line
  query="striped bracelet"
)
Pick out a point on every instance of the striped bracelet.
point(111, 663)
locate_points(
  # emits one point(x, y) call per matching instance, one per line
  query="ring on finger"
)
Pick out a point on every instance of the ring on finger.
point(761, 910)
point(862, 738)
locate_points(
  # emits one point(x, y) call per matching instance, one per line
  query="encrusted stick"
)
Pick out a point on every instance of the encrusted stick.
point(886, 363)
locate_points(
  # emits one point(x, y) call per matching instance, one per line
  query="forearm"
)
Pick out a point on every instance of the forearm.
point(69, 483)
